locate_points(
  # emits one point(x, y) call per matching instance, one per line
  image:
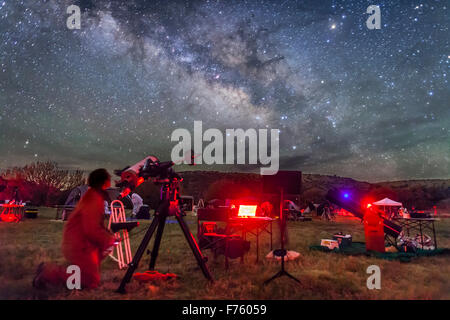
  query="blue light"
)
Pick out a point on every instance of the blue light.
point(346, 195)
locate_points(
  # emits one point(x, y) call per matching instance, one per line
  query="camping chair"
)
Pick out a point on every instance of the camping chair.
point(209, 237)
point(118, 215)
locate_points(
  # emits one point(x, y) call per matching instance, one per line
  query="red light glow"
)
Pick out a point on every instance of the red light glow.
point(247, 211)
point(125, 192)
point(9, 218)
point(11, 212)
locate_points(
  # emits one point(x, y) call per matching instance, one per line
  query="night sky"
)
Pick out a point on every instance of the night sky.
point(367, 104)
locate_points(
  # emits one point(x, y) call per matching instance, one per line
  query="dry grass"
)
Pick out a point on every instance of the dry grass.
point(323, 275)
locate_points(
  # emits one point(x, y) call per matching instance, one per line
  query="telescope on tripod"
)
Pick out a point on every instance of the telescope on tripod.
point(160, 173)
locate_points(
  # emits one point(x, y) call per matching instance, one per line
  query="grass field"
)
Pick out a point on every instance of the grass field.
point(323, 275)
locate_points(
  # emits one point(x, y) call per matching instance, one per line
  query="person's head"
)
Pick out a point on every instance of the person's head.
point(99, 179)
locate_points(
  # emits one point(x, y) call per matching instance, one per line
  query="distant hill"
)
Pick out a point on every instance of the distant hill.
point(421, 194)
point(197, 183)
point(431, 183)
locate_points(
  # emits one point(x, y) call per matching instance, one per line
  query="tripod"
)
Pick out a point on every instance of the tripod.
point(281, 252)
point(167, 207)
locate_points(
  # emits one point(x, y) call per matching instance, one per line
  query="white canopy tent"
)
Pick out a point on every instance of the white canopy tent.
point(386, 202)
point(390, 204)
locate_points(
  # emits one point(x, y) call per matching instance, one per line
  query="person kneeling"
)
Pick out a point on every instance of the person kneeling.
point(86, 241)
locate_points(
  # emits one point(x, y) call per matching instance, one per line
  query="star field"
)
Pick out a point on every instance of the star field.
point(366, 104)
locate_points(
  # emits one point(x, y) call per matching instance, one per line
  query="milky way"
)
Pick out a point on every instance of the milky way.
point(367, 104)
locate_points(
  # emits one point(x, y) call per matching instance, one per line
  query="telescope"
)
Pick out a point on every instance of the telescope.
point(353, 204)
point(148, 168)
point(163, 174)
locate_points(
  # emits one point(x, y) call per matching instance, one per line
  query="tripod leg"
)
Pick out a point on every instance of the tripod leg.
point(137, 257)
point(159, 233)
point(194, 247)
point(291, 276)
point(278, 274)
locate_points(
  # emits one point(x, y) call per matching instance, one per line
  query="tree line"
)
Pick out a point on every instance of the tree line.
point(39, 183)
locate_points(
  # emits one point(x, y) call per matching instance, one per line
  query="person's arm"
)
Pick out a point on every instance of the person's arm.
point(93, 224)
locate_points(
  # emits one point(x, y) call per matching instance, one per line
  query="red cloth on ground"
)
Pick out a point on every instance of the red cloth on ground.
point(153, 276)
point(85, 239)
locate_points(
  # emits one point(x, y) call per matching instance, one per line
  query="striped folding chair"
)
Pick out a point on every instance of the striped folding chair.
point(122, 252)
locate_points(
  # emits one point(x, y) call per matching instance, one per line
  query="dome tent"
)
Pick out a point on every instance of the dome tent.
point(75, 195)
